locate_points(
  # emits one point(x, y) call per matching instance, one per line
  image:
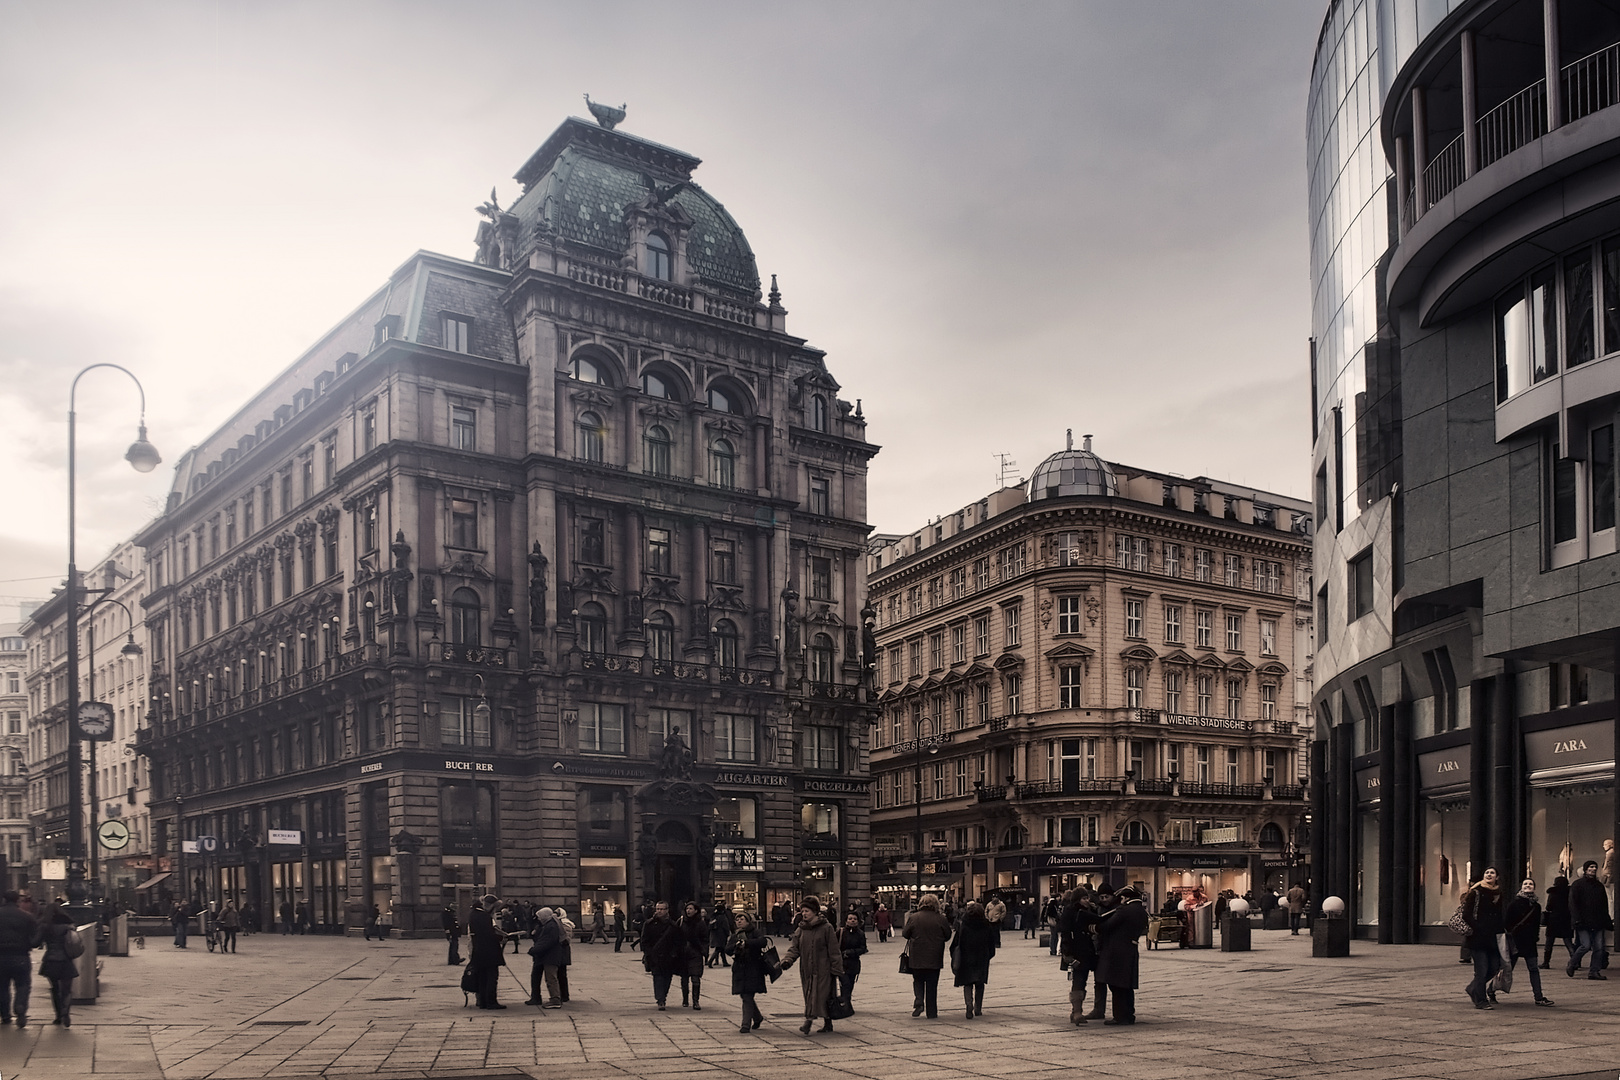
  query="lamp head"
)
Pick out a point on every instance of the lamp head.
point(130, 648)
point(142, 454)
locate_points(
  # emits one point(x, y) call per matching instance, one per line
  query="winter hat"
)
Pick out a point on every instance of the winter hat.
point(545, 914)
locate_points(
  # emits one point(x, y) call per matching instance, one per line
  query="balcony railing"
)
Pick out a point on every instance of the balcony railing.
point(1116, 786)
point(1444, 172)
point(1520, 119)
point(472, 655)
point(646, 667)
point(1591, 83)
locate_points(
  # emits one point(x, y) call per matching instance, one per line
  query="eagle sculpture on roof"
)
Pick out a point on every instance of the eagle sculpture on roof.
point(606, 115)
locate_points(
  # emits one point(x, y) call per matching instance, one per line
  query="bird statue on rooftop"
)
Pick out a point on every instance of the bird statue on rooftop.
point(662, 194)
point(491, 209)
point(606, 115)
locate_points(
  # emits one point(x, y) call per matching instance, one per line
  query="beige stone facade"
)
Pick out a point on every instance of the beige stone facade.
point(1102, 667)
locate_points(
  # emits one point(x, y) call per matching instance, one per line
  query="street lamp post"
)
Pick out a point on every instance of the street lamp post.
point(925, 747)
point(129, 649)
point(480, 719)
point(144, 457)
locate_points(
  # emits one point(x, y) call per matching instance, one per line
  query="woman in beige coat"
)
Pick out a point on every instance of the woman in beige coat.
point(815, 948)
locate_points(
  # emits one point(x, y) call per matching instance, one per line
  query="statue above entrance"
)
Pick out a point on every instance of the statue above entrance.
point(676, 761)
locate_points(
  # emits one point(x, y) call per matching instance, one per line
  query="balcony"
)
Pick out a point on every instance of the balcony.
point(480, 656)
point(1115, 786)
point(672, 670)
point(629, 282)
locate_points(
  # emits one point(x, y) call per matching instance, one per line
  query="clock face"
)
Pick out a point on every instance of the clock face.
point(95, 719)
point(113, 834)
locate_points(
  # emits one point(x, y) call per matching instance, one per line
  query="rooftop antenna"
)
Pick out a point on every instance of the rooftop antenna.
point(1005, 467)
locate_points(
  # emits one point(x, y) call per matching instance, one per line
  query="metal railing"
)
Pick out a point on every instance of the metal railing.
point(1591, 83)
point(1444, 172)
point(1519, 120)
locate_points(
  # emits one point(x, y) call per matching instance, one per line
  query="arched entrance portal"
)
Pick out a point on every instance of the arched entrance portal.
point(673, 877)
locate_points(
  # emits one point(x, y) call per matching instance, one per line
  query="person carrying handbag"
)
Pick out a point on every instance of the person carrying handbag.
point(749, 969)
point(1482, 915)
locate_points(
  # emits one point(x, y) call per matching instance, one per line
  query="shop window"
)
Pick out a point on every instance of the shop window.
point(603, 816)
point(736, 818)
point(820, 821)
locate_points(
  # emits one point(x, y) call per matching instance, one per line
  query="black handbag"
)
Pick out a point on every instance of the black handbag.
point(772, 960)
point(838, 1008)
point(905, 964)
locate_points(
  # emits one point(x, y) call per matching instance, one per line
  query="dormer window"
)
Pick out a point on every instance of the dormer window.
point(457, 333)
point(658, 262)
point(818, 413)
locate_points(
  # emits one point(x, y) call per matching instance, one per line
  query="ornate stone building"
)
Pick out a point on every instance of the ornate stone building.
point(537, 573)
point(1093, 677)
point(14, 843)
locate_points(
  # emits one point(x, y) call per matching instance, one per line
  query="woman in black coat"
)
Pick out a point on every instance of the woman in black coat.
point(976, 944)
point(58, 967)
point(748, 969)
point(1482, 911)
point(1522, 920)
point(1559, 924)
point(1076, 926)
point(720, 937)
point(488, 953)
point(852, 943)
point(695, 931)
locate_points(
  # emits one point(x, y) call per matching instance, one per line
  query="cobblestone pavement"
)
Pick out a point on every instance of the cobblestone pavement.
point(306, 1006)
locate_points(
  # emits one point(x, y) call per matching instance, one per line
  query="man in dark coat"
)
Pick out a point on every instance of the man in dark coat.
point(1104, 900)
point(1559, 926)
point(487, 955)
point(663, 951)
point(452, 932)
point(17, 932)
point(1589, 911)
point(1118, 958)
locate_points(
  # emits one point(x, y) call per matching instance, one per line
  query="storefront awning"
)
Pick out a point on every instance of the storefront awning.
point(153, 880)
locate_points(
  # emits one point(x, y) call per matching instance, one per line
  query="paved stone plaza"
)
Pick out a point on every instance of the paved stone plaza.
point(299, 1006)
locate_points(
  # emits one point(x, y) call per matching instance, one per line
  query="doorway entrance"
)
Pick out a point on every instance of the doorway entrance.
point(673, 877)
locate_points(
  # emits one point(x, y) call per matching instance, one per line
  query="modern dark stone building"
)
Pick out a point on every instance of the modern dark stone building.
point(1465, 200)
point(539, 572)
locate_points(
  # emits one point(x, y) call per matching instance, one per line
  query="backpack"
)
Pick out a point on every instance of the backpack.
point(72, 943)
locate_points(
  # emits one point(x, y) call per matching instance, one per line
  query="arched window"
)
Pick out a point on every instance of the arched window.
point(818, 413)
point(1012, 838)
point(586, 370)
point(1137, 835)
point(726, 401)
point(654, 385)
point(661, 636)
point(593, 628)
point(590, 437)
point(1271, 835)
point(723, 463)
point(368, 617)
point(658, 447)
point(725, 643)
point(821, 659)
point(466, 618)
point(658, 264)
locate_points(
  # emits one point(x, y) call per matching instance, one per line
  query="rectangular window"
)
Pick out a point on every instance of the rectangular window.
point(1526, 334)
point(1268, 637)
point(1234, 633)
point(1234, 698)
point(936, 651)
point(463, 523)
point(733, 737)
point(1565, 494)
point(981, 635)
point(1267, 575)
point(959, 643)
point(1359, 576)
point(820, 577)
point(1172, 624)
point(981, 573)
point(328, 464)
point(368, 431)
point(1172, 560)
point(959, 709)
point(1580, 328)
point(1202, 759)
point(1602, 468)
point(958, 582)
point(821, 496)
point(1133, 617)
point(1268, 701)
point(601, 728)
point(916, 657)
point(981, 703)
point(1322, 615)
point(896, 672)
point(1012, 613)
point(460, 723)
point(1133, 688)
point(1234, 571)
point(1131, 552)
point(463, 428)
point(820, 748)
point(1231, 765)
point(724, 562)
point(1068, 618)
point(660, 551)
point(247, 516)
point(1203, 565)
point(1172, 692)
point(457, 333)
point(1205, 685)
point(1204, 629)
point(1015, 687)
point(1069, 686)
point(593, 541)
point(307, 467)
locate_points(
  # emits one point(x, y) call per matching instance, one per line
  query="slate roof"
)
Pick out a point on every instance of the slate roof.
point(583, 177)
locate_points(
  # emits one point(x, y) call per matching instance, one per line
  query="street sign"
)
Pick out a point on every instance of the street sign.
point(207, 845)
point(95, 720)
point(113, 834)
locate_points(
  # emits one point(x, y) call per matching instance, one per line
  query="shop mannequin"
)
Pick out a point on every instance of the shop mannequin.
point(1606, 871)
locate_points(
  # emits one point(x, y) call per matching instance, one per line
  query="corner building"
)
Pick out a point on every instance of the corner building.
point(538, 573)
point(1465, 201)
point(1100, 676)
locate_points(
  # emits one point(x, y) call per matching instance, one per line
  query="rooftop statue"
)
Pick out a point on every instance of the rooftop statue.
point(606, 115)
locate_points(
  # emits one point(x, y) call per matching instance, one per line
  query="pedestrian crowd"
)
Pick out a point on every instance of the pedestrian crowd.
point(1498, 931)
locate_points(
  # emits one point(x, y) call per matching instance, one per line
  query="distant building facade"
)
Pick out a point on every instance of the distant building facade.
point(14, 838)
point(1094, 677)
point(539, 573)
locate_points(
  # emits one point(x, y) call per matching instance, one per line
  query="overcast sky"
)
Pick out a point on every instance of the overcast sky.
point(1000, 220)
